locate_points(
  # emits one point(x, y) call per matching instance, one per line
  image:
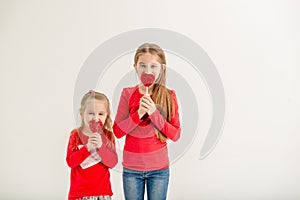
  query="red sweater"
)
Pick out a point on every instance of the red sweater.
point(95, 180)
point(143, 151)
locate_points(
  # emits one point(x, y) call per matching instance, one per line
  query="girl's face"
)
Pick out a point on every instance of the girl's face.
point(149, 64)
point(94, 110)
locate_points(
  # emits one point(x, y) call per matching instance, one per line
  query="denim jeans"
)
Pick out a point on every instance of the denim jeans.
point(156, 182)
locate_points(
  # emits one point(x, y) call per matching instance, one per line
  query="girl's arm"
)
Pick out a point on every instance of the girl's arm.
point(170, 129)
point(107, 152)
point(75, 156)
point(125, 122)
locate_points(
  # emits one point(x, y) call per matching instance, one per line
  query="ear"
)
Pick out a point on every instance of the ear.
point(134, 66)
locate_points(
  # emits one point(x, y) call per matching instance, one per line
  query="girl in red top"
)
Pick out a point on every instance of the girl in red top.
point(91, 150)
point(147, 116)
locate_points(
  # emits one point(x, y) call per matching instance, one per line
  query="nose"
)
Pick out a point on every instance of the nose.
point(97, 118)
point(148, 69)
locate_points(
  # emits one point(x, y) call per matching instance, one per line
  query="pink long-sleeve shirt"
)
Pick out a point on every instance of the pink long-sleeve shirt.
point(95, 180)
point(143, 151)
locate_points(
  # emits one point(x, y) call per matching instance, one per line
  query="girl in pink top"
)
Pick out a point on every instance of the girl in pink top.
point(147, 116)
point(91, 150)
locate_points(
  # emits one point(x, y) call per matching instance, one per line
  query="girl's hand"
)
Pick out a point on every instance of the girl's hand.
point(146, 106)
point(94, 141)
point(142, 109)
point(89, 146)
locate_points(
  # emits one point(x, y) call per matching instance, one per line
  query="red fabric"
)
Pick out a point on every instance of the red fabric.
point(142, 150)
point(95, 180)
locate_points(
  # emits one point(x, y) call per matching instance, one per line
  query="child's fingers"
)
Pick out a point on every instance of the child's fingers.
point(147, 101)
point(148, 104)
point(95, 138)
point(144, 105)
point(94, 143)
point(95, 135)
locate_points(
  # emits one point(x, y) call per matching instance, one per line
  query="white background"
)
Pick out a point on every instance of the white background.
point(255, 46)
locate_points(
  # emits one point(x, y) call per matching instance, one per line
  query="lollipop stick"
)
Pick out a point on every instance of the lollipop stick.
point(147, 93)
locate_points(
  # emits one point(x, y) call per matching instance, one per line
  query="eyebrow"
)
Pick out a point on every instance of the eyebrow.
point(150, 63)
point(91, 110)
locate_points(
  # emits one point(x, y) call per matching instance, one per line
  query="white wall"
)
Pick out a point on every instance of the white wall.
point(255, 46)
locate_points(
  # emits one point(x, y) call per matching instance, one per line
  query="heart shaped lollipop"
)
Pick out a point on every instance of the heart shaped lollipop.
point(147, 79)
point(95, 126)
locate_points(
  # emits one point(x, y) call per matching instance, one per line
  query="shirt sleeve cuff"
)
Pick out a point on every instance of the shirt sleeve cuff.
point(157, 119)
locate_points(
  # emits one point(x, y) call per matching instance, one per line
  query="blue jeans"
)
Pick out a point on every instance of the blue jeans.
point(156, 182)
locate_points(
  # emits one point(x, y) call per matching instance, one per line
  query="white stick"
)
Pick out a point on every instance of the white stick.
point(147, 94)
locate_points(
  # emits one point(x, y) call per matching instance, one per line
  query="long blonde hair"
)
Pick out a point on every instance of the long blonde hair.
point(161, 95)
point(108, 122)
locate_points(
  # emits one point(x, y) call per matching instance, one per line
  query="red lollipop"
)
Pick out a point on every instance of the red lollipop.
point(147, 79)
point(95, 126)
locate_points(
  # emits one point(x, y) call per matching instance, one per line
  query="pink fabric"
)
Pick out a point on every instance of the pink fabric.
point(143, 151)
point(146, 161)
point(94, 180)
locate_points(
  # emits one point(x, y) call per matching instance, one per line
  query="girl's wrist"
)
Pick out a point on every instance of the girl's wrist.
point(152, 110)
